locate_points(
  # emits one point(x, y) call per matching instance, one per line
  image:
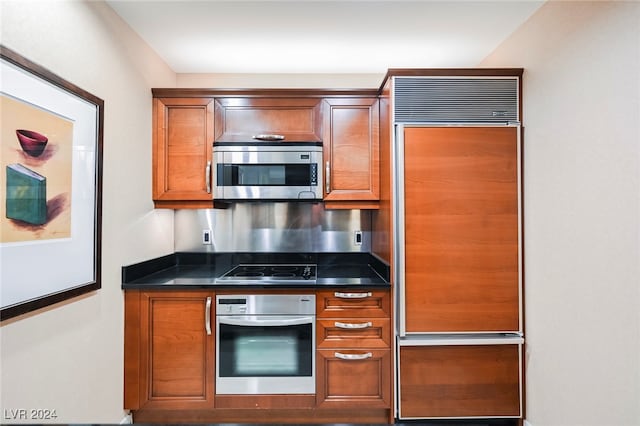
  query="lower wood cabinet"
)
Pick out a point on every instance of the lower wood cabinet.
point(354, 357)
point(169, 350)
point(459, 381)
point(169, 362)
point(350, 378)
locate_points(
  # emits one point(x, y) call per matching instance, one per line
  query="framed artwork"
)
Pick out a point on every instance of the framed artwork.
point(50, 187)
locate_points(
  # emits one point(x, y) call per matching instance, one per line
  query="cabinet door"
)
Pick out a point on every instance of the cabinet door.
point(351, 149)
point(459, 381)
point(295, 119)
point(353, 378)
point(461, 200)
point(175, 352)
point(182, 151)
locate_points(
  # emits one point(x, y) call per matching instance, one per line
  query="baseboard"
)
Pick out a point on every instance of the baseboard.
point(527, 423)
point(127, 420)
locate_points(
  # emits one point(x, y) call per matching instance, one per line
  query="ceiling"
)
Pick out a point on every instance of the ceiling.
point(300, 36)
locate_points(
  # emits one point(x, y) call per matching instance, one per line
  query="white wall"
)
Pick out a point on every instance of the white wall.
point(70, 357)
point(582, 210)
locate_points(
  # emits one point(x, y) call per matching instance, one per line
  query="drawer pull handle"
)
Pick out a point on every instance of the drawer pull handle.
point(352, 326)
point(353, 357)
point(207, 176)
point(352, 295)
point(327, 177)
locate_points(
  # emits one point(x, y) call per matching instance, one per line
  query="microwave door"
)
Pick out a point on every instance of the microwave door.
point(266, 176)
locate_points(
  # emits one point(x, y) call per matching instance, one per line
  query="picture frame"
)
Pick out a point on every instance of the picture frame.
point(50, 187)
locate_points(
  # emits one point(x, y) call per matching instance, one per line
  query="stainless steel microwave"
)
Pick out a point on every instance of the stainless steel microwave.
point(267, 171)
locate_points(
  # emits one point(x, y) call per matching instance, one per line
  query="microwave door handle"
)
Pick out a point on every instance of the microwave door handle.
point(254, 322)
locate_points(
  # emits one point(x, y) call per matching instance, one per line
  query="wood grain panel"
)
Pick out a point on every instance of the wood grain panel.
point(376, 335)
point(177, 362)
point(132, 338)
point(351, 146)
point(294, 416)
point(353, 383)
point(263, 402)
point(459, 381)
point(183, 138)
point(297, 119)
point(461, 222)
point(178, 348)
point(376, 305)
point(382, 220)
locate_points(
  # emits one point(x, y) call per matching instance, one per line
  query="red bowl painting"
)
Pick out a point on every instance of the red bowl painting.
point(33, 143)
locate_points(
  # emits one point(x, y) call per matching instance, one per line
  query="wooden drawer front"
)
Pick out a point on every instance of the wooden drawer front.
point(459, 381)
point(239, 119)
point(353, 303)
point(348, 383)
point(353, 333)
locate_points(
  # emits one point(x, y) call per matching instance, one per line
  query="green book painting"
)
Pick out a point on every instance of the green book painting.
point(26, 195)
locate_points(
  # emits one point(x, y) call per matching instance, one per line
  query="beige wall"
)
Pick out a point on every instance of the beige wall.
point(69, 357)
point(582, 210)
point(279, 81)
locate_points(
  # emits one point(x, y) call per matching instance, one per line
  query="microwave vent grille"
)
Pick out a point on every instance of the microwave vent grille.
point(456, 100)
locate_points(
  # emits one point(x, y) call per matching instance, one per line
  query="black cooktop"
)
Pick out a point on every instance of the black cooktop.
point(271, 273)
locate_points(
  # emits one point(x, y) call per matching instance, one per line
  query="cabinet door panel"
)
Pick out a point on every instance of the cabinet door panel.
point(355, 303)
point(459, 381)
point(177, 353)
point(353, 333)
point(354, 382)
point(240, 119)
point(351, 149)
point(183, 139)
point(461, 229)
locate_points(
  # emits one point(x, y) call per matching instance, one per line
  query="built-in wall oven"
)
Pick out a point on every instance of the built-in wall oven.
point(265, 344)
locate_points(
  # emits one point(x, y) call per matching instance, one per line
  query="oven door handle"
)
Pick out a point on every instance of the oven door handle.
point(258, 322)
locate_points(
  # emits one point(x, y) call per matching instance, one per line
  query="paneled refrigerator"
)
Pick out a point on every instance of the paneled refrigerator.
point(458, 270)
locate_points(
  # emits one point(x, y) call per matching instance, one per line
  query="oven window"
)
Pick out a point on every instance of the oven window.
point(259, 351)
point(264, 175)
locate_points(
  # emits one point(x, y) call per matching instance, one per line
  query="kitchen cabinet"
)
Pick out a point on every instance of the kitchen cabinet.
point(459, 381)
point(354, 356)
point(182, 151)
point(239, 119)
point(169, 350)
point(351, 152)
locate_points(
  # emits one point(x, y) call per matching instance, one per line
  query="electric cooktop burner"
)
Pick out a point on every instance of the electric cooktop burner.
point(271, 274)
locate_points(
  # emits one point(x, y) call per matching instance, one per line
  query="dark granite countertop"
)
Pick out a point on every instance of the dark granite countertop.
point(182, 270)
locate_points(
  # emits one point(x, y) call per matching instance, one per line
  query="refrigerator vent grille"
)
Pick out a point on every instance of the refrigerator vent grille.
point(456, 100)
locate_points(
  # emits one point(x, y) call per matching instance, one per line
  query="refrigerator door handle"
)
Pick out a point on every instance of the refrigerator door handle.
point(399, 225)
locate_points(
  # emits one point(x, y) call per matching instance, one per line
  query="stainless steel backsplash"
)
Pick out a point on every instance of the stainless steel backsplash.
point(273, 227)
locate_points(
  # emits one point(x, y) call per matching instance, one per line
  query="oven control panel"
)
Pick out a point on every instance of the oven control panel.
point(266, 304)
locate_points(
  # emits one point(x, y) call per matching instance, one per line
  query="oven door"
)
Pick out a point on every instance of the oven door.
point(265, 354)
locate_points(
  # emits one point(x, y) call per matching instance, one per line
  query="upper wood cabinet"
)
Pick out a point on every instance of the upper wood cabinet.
point(351, 152)
point(240, 119)
point(182, 152)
